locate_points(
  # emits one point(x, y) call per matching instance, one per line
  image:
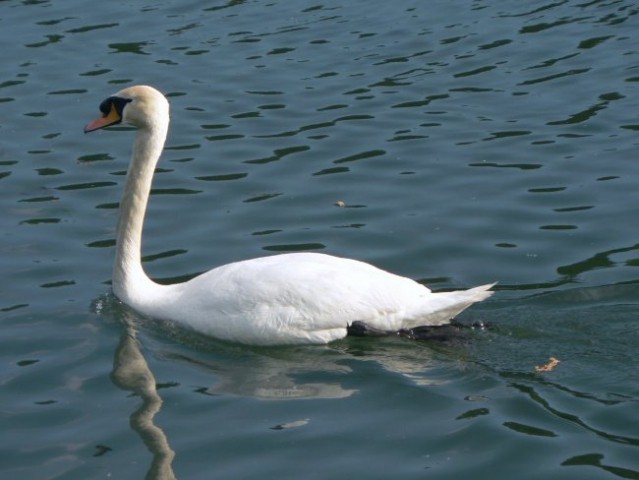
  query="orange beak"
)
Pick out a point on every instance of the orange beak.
point(111, 118)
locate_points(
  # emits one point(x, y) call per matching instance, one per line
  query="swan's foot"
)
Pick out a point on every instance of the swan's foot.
point(361, 329)
point(439, 333)
point(442, 333)
point(476, 325)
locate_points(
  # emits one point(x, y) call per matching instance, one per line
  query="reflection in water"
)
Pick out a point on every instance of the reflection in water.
point(272, 373)
point(131, 372)
point(604, 259)
point(540, 391)
point(267, 374)
point(537, 397)
point(273, 379)
point(594, 460)
point(293, 373)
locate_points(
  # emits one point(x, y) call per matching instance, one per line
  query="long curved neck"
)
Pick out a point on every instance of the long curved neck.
point(130, 282)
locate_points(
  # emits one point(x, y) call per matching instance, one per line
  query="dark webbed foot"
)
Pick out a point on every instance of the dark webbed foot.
point(441, 333)
point(476, 325)
point(361, 329)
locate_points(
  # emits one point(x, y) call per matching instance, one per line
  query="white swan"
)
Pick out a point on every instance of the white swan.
point(291, 298)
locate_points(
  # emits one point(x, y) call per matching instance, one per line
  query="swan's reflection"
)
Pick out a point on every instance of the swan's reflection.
point(268, 374)
point(131, 372)
point(306, 372)
point(317, 372)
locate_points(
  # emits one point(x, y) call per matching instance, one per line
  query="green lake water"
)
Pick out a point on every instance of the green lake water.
point(469, 141)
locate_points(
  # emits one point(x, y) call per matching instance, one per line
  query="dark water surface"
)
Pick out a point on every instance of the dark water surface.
point(470, 142)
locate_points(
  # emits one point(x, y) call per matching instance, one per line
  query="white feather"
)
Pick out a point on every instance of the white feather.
point(282, 299)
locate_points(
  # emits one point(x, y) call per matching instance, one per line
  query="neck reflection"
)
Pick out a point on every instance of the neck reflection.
point(132, 373)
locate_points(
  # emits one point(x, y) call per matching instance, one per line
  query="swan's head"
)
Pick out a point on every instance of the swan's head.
point(141, 106)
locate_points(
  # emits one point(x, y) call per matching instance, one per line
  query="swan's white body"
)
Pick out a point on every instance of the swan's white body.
point(292, 298)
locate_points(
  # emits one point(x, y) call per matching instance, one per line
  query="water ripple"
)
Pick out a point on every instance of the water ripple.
point(456, 143)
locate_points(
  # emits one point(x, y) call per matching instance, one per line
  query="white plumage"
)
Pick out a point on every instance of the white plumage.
point(291, 298)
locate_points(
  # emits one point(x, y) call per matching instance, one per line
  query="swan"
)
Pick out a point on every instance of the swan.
point(294, 298)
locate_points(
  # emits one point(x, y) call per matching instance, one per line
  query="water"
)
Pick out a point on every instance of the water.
point(469, 141)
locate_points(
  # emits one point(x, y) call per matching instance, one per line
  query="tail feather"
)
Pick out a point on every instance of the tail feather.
point(440, 308)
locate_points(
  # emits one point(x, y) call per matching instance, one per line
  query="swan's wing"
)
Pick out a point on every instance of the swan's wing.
point(291, 295)
point(307, 298)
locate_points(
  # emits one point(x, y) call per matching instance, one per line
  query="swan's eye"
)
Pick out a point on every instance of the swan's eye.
point(117, 102)
point(105, 106)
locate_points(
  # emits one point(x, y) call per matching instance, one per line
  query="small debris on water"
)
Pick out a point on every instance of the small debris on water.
point(295, 424)
point(547, 367)
point(476, 398)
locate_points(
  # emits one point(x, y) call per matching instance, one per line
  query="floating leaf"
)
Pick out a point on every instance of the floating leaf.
point(547, 367)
